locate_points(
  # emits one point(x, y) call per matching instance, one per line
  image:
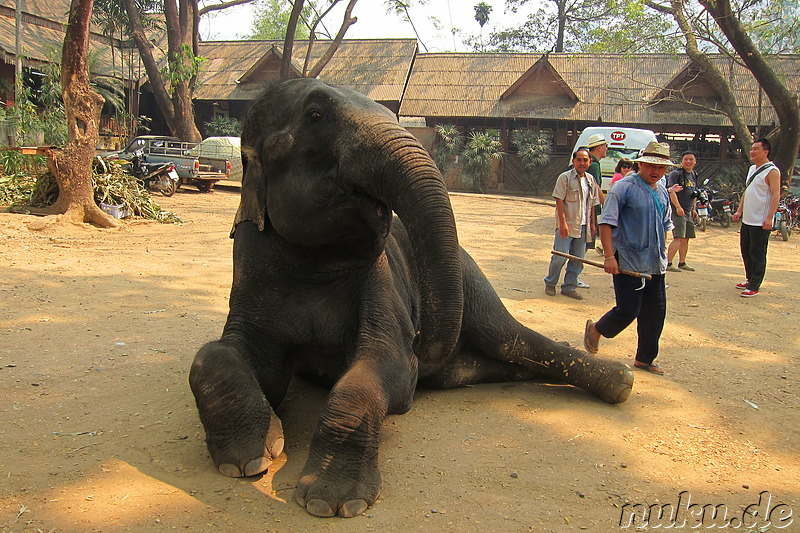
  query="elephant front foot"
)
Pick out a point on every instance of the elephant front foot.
point(243, 434)
point(345, 490)
point(246, 453)
point(341, 477)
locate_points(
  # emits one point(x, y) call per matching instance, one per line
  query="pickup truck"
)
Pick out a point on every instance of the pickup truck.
point(202, 172)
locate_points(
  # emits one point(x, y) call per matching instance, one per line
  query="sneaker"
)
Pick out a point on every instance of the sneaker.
point(742, 286)
point(598, 249)
point(572, 294)
point(684, 266)
point(582, 284)
point(550, 291)
point(671, 268)
point(748, 293)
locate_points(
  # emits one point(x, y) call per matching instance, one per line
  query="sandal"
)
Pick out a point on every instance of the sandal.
point(653, 369)
point(589, 343)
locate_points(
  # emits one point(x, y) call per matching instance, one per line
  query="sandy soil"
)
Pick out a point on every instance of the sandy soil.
point(99, 430)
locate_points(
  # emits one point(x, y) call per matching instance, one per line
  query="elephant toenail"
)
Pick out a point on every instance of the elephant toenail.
point(257, 466)
point(277, 448)
point(353, 508)
point(229, 470)
point(319, 507)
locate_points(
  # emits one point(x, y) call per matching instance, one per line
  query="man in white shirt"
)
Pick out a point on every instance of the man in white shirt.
point(576, 193)
point(756, 210)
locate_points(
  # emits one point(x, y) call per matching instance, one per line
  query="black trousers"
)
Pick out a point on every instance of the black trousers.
point(753, 241)
point(647, 304)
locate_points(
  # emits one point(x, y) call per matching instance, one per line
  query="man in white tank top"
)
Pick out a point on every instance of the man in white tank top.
point(756, 210)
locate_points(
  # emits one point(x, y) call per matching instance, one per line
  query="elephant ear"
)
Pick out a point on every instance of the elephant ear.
point(253, 203)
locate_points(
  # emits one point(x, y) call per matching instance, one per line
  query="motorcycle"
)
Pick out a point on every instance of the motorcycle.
point(711, 209)
point(161, 177)
point(782, 222)
point(793, 205)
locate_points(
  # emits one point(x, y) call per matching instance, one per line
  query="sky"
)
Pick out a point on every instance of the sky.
point(374, 22)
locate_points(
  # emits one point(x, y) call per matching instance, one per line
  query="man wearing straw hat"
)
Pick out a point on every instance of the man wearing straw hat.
point(633, 230)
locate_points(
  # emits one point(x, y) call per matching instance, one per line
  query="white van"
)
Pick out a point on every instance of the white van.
point(622, 143)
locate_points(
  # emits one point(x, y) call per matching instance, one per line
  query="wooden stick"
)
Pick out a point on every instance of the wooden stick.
point(601, 265)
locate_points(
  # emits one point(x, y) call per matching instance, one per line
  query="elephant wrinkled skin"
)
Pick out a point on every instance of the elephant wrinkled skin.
point(327, 281)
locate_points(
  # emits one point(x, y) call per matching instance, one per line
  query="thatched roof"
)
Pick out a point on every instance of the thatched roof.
point(237, 70)
point(43, 29)
point(596, 88)
point(620, 89)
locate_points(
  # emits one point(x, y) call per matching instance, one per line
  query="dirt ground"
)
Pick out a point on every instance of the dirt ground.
point(99, 430)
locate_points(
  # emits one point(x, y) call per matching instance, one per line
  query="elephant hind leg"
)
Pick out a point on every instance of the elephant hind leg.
point(489, 327)
point(243, 434)
point(470, 366)
point(611, 381)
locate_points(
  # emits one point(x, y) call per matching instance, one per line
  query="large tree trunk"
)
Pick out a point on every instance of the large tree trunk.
point(562, 23)
point(181, 21)
point(714, 77)
point(347, 21)
point(783, 101)
point(72, 167)
point(288, 41)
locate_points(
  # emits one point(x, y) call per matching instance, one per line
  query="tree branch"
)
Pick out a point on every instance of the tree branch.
point(783, 101)
point(224, 5)
point(347, 21)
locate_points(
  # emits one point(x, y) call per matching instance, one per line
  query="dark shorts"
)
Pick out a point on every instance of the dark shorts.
point(684, 225)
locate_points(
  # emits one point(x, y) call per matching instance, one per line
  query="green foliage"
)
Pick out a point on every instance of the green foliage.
point(481, 149)
point(113, 21)
point(16, 188)
point(773, 26)
point(112, 89)
point(182, 67)
point(272, 17)
point(534, 149)
point(482, 12)
point(593, 26)
point(449, 143)
point(222, 126)
point(14, 162)
point(37, 120)
point(622, 33)
point(112, 185)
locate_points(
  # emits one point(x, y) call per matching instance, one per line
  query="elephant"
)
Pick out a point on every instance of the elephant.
point(346, 265)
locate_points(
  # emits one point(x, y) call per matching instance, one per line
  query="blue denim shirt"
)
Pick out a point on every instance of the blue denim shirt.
point(640, 228)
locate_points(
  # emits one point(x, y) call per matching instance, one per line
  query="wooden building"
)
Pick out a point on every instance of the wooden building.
point(558, 93)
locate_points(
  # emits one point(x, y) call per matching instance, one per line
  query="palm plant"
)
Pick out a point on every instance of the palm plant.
point(534, 148)
point(450, 143)
point(480, 151)
point(222, 126)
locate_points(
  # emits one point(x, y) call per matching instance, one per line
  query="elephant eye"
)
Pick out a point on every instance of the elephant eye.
point(314, 115)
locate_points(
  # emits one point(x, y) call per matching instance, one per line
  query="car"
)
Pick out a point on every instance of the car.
point(622, 143)
point(229, 148)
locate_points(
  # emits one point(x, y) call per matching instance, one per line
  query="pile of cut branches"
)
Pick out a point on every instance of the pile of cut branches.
point(112, 186)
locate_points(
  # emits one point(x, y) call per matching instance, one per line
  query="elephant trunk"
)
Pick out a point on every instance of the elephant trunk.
point(407, 180)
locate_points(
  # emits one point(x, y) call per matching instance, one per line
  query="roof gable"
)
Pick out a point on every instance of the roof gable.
point(689, 87)
point(267, 68)
point(541, 81)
